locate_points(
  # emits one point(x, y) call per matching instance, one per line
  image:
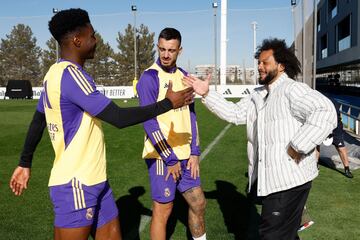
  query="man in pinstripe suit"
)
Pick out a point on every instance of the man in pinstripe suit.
point(285, 122)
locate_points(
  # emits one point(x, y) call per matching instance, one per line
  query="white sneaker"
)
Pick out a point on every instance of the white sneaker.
point(305, 226)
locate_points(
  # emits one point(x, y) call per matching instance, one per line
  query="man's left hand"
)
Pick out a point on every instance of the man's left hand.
point(193, 165)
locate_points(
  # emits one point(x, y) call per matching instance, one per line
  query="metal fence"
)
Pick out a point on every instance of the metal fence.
point(350, 115)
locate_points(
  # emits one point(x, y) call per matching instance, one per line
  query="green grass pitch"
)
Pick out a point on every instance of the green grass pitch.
point(333, 203)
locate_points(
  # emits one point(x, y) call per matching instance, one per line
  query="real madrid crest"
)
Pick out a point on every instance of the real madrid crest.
point(167, 192)
point(89, 213)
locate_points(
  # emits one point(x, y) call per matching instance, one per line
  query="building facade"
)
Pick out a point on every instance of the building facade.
point(234, 74)
point(338, 48)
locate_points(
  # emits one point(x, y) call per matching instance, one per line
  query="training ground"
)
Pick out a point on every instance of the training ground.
point(333, 202)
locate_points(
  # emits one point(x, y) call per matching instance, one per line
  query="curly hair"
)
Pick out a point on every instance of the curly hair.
point(67, 21)
point(282, 55)
point(170, 33)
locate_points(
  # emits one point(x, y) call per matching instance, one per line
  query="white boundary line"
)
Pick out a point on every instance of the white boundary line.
point(214, 142)
point(146, 219)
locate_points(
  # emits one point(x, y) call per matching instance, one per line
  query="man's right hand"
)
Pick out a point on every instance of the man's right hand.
point(180, 98)
point(19, 180)
point(294, 154)
point(175, 171)
point(201, 87)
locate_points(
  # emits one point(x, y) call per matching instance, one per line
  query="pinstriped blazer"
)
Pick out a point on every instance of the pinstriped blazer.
point(282, 114)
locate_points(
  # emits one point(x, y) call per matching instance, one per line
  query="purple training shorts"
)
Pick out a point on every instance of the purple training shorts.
point(164, 191)
point(77, 205)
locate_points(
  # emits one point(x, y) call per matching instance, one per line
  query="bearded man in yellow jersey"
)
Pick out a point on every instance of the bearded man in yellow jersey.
point(171, 148)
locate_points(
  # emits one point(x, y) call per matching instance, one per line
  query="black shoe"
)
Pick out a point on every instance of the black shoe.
point(347, 173)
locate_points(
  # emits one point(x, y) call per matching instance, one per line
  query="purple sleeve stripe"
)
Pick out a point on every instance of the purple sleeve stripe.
point(81, 86)
point(148, 87)
point(162, 144)
point(75, 75)
point(165, 151)
point(157, 142)
point(44, 102)
point(73, 92)
point(40, 105)
point(46, 99)
point(83, 79)
point(195, 142)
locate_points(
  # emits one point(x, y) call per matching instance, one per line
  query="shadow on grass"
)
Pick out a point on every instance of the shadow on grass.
point(328, 163)
point(239, 211)
point(179, 213)
point(130, 211)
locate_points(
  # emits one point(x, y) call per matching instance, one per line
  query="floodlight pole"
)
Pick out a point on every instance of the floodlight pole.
point(134, 9)
point(303, 42)
point(223, 42)
point(55, 10)
point(254, 25)
point(215, 5)
point(293, 5)
point(315, 45)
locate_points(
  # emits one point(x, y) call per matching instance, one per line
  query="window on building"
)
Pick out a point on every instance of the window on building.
point(344, 34)
point(332, 8)
point(318, 21)
point(323, 47)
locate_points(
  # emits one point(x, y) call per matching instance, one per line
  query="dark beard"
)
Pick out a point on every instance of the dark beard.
point(269, 77)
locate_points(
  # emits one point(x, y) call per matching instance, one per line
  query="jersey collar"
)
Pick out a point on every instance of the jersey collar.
point(168, 70)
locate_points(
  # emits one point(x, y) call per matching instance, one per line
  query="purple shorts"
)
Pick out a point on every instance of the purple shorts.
point(77, 205)
point(164, 191)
